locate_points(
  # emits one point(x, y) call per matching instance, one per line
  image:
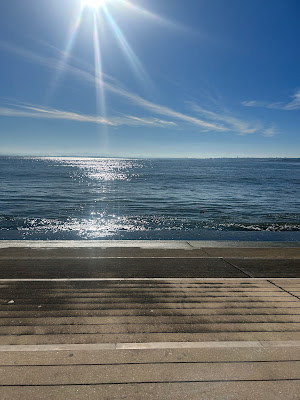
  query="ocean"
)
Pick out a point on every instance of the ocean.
point(58, 198)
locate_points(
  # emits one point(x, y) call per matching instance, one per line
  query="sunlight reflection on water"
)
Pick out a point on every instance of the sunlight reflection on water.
point(102, 169)
point(94, 198)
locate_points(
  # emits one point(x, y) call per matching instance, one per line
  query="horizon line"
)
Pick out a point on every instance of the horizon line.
point(144, 157)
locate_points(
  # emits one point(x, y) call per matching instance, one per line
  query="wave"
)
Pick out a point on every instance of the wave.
point(107, 226)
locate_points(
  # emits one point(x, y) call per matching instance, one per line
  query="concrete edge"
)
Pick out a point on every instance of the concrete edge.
point(146, 279)
point(146, 244)
point(150, 346)
point(48, 244)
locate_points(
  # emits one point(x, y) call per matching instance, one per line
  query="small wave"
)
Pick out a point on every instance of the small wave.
point(274, 227)
point(105, 226)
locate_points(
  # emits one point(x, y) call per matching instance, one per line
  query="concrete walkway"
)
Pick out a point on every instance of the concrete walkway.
point(149, 320)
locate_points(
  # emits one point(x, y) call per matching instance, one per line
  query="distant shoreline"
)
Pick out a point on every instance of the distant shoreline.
point(146, 158)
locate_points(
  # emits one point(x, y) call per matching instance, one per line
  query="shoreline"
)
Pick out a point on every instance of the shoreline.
point(164, 235)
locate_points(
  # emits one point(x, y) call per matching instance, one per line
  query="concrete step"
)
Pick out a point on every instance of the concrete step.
point(100, 252)
point(117, 267)
point(180, 313)
point(230, 352)
point(151, 282)
point(150, 319)
point(148, 268)
point(246, 390)
point(147, 337)
point(39, 312)
point(154, 372)
point(171, 337)
point(208, 303)
point(261, 268)
point(30, 292)
point(173, 327)
point(88, 252)
point(211, 373)
point(18, 301)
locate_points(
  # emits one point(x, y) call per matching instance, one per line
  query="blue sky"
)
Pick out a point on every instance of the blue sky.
point(150, 78)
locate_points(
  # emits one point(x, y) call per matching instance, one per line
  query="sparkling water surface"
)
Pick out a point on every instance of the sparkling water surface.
point(96, 198)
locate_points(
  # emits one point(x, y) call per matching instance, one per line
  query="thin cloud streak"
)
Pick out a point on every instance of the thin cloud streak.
point(89, 77)
point(254, 103)
point(231, 123)
point(294, 104)
point(270, 132)
point(146, 104)
point(38, 112)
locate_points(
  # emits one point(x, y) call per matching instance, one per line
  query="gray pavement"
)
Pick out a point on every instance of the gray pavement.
point(118, 268)
point(140, 252)
point(149, 320)
point(47, 268)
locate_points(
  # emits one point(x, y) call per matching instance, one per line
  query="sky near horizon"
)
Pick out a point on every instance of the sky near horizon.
point(150, 78)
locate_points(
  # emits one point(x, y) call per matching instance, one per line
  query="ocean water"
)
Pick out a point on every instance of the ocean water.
point(55, 198)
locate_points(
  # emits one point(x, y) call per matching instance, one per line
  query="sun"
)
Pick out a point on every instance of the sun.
point(93, 3)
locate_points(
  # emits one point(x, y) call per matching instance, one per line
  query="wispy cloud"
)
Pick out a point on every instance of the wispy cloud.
point(137, 121)
point(269, 132)
point(254, 103)
point(230, 122)
point(293, 104)
point(210, 120)
point(86, 75)
point(33, 111)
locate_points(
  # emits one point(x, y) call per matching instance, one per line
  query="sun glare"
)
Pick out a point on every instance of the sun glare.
point(93, 3)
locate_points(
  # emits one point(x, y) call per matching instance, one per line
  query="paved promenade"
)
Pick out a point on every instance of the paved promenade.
point(149, 320)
